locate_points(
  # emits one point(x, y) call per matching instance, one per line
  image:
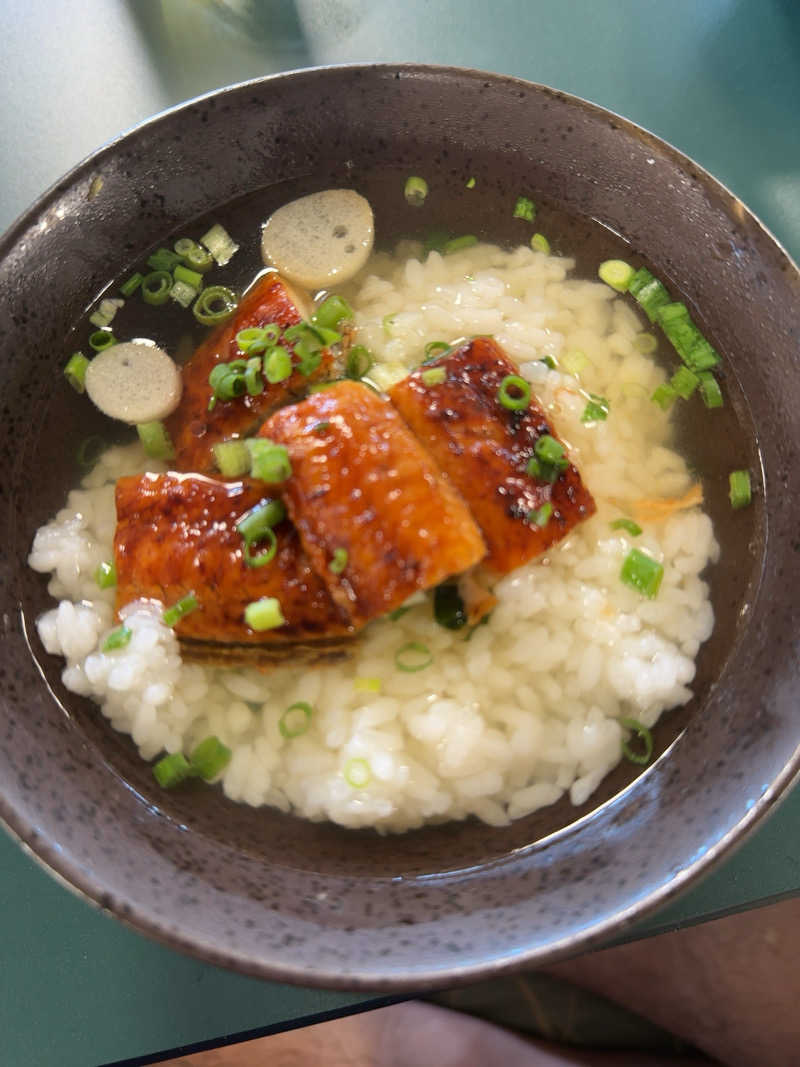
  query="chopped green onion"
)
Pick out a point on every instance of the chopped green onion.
point(681, 332)
point(648, 291)
point(268, 462)
point(105, 313)
point(644, 735)
point(524, 209)
point(539, 243)
point(163, 259)
point(433, 349)
point(308, 361)
point(550, 454)
point(191, 277)
point(470, 183)
point(183, 246)
point(155, 440)
point(264, 614)
point(519, 398)
point(75, 371)
point(277, 365)
point(156, 287)
point(267, 556)
point(367, 685)
point(455, 244)
point(664, 396)
point(257, 525)
point(214, 305)
point(252, 377)
point(413, 657)
point(106, 575)
point(209, 758)
point(118, 638)
point(198, 258)
point(339, 561)
point(89, 451)
point(359, 362)
point(549, 362)
point(701, 355)
point(129, 287)
point(642, 573)
point(325, 334)
point(616, 273)
point(684, 382)
point(357, 773)
point(646, 343)
point(100, 340)
point(448, 606)
point(182, 293)
point(331, 312)
point(187, 604)
point(415, 191)
point(387, 322)
point(435, 241)
point(220, 244)
point(232, 457)
point(631, 527)
point(740, 491)
point(434, 376)
point(172, 770)
point(710, 390)
point(575, 361)
point(540, 516)
point(296, 720)
point(227, 381)
point(596, 409)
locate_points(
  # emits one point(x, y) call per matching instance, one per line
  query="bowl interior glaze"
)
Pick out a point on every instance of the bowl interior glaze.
point(267, 893)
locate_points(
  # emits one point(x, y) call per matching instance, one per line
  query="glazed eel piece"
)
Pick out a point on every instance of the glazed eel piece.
point(194, 429)
point(484, 448)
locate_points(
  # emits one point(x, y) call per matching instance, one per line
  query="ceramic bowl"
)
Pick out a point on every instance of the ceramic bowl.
point(266, 893)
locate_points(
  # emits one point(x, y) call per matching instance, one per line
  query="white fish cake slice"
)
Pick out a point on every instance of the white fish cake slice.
point(134, 382)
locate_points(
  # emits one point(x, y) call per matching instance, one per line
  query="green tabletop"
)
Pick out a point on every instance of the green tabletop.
point(720, 79)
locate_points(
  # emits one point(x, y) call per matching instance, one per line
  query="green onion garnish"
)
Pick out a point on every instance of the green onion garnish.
point(156, 287)
point(387, 322)
point(642, 573)
point(89, 451)
point(524, 209)
point(75, 371)
point(220, 244)
point(183, 247)
point(470, 183)
point(256, 526)
point(701, 355)
point(118, 638)
point(540, 516)
point(740, 491)
point(295, 720)
point(264, 557)
point(710, 390)
point(172, 770)
point(155, 440)
point(646, 343)
point(455, 244)
point(434, 376)
point(199, 259)
point(277, 365)
point(268, 462)
point(339, 561)
point(129, 287)
point(357, 773)
point(575, 361)
point(616, 273)
point(631, 527)
point(367, 685)
point(106, 575)
point(331, 312)
point(514, 392)
point(100, 340)
point(190, 277)
point(163, 260)
point(183, 293)
point(256, 339)
point(433, 349)
point(435, 241)
point(232, 457)
point(359, 362)
point(176, 612)
point(448, 606)
point(214, 305)
point(539, 243)
point(648, 291)
point(253, 381)
point(596, 409)
point(209, 758)
point(413, 657)
point(415, 191)
point(684, 382)
point(264, 614)
point(550, 454)
point(644, 736)
point(664, 396)
point(549, 362)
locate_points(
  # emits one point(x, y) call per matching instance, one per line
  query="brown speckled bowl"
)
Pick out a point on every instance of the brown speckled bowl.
point(263, 892)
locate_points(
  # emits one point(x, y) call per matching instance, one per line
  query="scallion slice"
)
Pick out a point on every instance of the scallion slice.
point(171, 770)
point(412, 657)
point(514, 392)
point(264, 557)
point(415, 191)
point(642, 573)
point(232, 458)
point(106, 575)
point(220, 244)
point(192, 278)
point(331, 312)
point(182, 293)
point(173, 614)
point(214, 305)
point(470, 184)
point(387, 322)
point(183, 246)
point(664, 396)
point(339, 561)
point(646, 343)
point(434, 349)
point(616, 273)
point(129, 287)
point(740, 490)
point(277, 365)
point(644, 735)
point(163, 260)
point(710, 390)
point(684, 382)
point(359, 362)
point(209, 758)
point(102, 339)
point(264, 614)
point(539, 243)
point(524, 208)
point(257, 525)
point(156, 287)
point(456, 244)
point(269, 462)
point(549, 362)
point(357, 773)
point(551, 456)
point(540, 516)
point(434, 376)
point(596, 409)
point(155, 440)
point(628, 525)
point(75, 371)
point(648, 291)
point(118, 638)
point(296, 720)
point(253, 381)
point(199, 259)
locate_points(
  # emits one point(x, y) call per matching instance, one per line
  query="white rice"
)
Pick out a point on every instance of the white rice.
point(496, 727)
